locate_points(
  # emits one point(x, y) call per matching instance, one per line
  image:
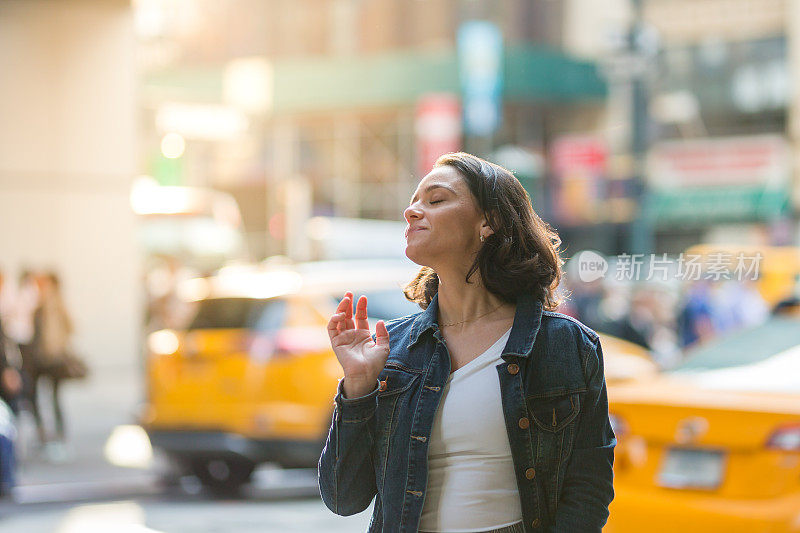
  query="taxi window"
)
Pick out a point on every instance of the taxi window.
point(746, 347)
point(271, 316)
point(235, 313)
point(386, 304)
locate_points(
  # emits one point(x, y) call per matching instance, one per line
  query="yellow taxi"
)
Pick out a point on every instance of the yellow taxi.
point(625, 361)
point(251, 379)
point(714, 444)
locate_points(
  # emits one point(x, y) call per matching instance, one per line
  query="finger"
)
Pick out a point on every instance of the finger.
point(381, 334)
point(345, 307)
point(344, 303)
point(349, 309)
point(361, 313)
point(349, 324)
point(334, 325)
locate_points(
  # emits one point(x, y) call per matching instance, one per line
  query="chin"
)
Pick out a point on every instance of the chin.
point(413, 253)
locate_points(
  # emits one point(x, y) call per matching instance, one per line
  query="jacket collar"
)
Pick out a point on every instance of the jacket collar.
point(527, 319)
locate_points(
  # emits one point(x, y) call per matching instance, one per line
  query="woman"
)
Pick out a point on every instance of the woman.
point(487, 411)
point(51, 342)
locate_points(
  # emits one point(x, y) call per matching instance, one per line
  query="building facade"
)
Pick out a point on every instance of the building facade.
point(355, 97)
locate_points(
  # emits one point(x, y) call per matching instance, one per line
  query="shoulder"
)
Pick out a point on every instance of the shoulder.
point(567, 325)
point(572, 339)
point(404, 323)
point(400, 329)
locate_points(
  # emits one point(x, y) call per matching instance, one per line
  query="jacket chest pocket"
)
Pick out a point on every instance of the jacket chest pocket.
point(394, 398)
point(554, 419)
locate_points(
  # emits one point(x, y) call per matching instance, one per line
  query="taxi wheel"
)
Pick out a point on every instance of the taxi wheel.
point(223, 476)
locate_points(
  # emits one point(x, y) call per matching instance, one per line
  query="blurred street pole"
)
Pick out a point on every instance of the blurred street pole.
point(297, 200)
point(284, 142)
point(640, 45)
point(793, 129)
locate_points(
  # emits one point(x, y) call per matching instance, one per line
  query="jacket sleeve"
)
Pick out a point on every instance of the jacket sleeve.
point(346, 475)
point(588, 483)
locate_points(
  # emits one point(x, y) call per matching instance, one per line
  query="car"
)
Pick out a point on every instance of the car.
point(713, 444)
point(625, 361)
point(252, 378)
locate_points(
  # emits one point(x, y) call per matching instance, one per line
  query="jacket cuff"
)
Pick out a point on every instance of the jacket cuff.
point(356, 409)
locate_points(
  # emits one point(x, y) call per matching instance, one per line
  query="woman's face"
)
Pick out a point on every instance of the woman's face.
point(444, 222)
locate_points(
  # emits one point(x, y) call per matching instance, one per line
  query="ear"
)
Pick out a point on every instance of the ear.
point(486, 229)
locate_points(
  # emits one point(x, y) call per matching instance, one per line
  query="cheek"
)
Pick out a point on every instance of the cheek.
point(454, 224)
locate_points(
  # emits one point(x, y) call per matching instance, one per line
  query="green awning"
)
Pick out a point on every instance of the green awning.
point(701, 206)
point(532, 73)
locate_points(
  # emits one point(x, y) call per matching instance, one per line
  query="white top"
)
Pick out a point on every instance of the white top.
point(471, 481)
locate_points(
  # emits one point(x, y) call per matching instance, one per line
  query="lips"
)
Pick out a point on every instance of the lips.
point(409, 231)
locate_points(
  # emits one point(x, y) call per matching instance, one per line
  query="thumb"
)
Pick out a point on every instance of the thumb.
point(381, 334)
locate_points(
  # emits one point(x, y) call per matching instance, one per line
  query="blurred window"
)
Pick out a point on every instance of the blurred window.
point(230, 313)
point(748, 347)
point(741, 87)
point(386, 304)
point(272, 316)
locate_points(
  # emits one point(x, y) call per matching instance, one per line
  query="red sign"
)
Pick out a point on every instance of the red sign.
point(438, 129)
point(579, 165)
point(584, 153)
point(754, 160)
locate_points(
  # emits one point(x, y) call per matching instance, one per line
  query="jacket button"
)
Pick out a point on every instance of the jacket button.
point(524, 423)
point(382, 386)
point(513, 368)
point(535, 524)
point(530, 473)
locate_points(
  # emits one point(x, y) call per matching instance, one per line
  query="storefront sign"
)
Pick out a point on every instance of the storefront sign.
point(480, 69)
point(438, 129)
point(579, 167)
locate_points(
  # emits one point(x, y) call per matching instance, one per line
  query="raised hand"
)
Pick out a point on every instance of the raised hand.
point(361, 358)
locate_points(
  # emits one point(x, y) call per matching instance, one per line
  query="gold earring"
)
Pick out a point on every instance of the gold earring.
point(483, 238)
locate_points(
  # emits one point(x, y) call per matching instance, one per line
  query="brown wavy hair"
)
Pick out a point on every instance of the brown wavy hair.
point(521, 256)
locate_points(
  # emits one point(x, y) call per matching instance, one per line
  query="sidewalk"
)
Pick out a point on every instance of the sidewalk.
point(92, 409)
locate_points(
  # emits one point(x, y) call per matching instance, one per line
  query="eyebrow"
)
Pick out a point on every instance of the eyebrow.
point(434, 186)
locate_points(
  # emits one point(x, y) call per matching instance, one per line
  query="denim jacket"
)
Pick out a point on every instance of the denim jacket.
point(556, 414)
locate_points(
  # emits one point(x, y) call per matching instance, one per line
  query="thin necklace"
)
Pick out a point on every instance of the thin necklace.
point(471, 319)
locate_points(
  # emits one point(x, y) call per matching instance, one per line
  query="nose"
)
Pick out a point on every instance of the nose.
point(412, 213)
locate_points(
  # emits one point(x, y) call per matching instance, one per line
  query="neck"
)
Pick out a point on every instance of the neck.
point(460, 301)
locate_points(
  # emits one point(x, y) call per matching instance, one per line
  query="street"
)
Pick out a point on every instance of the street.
point(176, 513)
point(86, 492)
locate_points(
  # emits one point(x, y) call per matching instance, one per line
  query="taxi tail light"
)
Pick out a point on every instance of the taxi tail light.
point(785, 438)
point(619, 425)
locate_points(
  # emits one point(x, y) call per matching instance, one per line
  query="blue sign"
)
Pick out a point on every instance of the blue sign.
point(480, 67)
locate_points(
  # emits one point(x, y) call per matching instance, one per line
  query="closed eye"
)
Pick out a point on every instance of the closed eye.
point(436, 201)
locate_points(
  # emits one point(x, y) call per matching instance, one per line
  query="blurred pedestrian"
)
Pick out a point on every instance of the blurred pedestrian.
point(422, 423)
point(10, 359)
point(19, 309)
point(696, 320)
point(51, 347)
point(8, 439)
point(738, 304)
point(165, 308)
